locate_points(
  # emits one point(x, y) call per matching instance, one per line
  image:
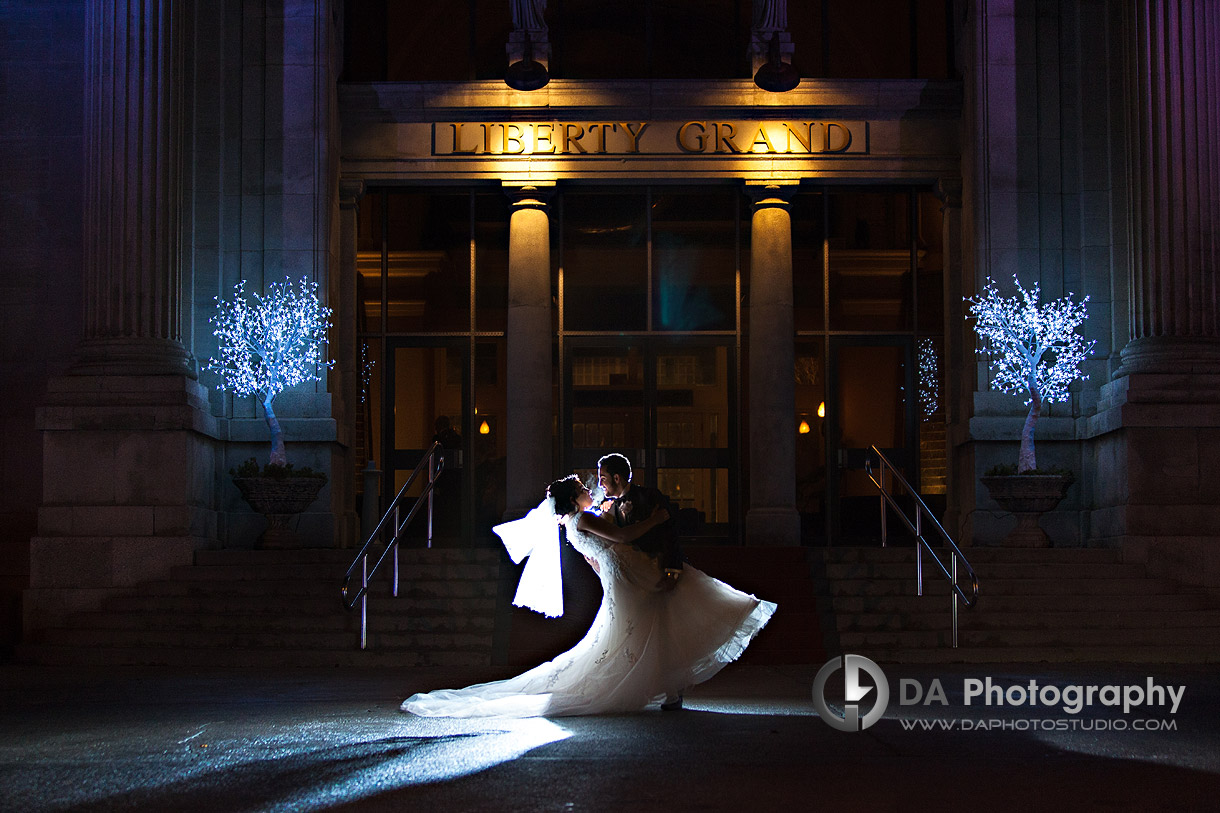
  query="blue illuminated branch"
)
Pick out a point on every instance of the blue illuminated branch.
point(1033, 350)
point(929, 378)
point(272, 343)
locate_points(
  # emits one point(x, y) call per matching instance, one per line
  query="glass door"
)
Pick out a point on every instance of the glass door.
point(666, 404)
point(871, 382)
point(427, 389)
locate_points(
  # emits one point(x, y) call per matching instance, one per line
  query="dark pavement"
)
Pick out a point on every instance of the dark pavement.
point(187, 740)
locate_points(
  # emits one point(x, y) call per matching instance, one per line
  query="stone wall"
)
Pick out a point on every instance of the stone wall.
point(262, 200)
point(41, 128)
point(1048, 176)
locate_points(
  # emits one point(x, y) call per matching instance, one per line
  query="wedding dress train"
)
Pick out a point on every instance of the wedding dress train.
point(646, 643)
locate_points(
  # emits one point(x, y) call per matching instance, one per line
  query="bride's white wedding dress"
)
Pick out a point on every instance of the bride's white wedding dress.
point(645, 643)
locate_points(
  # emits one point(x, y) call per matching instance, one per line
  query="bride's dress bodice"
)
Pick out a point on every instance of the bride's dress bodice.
point(621, 566)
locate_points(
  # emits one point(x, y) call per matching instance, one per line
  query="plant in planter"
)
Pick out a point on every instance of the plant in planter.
point(265, 346)
point(1035, 351)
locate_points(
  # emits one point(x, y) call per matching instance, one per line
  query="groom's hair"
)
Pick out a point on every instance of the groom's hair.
point(615, 463)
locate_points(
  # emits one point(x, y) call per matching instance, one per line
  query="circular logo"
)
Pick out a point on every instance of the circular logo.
point(853, 693)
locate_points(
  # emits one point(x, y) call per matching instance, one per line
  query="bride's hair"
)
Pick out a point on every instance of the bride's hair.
point(563, 494)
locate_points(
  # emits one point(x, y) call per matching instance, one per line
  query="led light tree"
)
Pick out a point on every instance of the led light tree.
point(1034, 350)
point(272, 343)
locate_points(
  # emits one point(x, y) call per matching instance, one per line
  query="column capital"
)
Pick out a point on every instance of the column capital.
point(949, 192)
point(351, 190)
point(529, 194)
point(771, 194)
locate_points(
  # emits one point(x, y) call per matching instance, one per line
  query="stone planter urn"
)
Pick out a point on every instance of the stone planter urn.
point(279, 499)
point(1028, 496)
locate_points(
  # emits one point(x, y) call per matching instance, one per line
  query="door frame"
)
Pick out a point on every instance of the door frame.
point(651, 457)
point(394, 459)
point(840, 459)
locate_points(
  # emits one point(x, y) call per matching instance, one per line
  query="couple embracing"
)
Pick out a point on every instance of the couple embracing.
point(662, 626)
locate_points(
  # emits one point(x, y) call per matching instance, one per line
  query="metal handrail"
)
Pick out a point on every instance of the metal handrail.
point(917, 528)
point(435, 463)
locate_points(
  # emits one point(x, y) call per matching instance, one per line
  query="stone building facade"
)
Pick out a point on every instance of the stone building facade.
point(627, 258)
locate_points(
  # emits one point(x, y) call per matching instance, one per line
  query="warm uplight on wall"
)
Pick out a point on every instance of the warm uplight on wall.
point(803, 429)
point(822, 410)
point(484, 429)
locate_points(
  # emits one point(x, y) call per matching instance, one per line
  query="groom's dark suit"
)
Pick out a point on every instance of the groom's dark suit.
point(661, 542)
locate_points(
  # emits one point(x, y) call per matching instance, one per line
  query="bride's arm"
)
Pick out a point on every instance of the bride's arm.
point(593, 524)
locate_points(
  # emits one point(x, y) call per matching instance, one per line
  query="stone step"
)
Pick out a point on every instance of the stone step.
point(324, 572)
point(988, 604)
point(973, 555)
point(863, 642)
point(986, 571)
point(342, 557)
point(1005, 587)
point(1073, 653)
point(271, 623)
point(380, 604)
point(378, 638)
point(330, 588)
point(972, 620)
point(353, 656)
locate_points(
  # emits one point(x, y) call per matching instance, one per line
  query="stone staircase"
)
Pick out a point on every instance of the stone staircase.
point(282, 608)
point(1055, 604)
point(268, 608)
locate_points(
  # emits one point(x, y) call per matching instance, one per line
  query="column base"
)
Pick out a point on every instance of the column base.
point(129, 481)
point(773, 526)
point(1170, 354)
point(133, 357)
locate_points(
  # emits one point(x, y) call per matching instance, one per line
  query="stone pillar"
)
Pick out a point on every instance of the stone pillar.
point(128, 442)
point(132, 298)
point(957, 383)
point(1174, 133)
point(1158, 421)
point(772, 518)
point(347, 375)
point(529, 337)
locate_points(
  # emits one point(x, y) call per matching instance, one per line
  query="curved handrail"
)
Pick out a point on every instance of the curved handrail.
point(349, 602)
point(916, 528)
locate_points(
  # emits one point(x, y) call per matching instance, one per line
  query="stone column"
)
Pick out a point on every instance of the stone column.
point(129, 466)
point(957, 383)
point(347, 375)
point(1156, 427)
point(132, 298)
point(1174, 132)
point(772, 518)
point(529, 337)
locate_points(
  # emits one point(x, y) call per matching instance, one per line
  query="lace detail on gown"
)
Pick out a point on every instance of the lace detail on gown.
point(644, 644)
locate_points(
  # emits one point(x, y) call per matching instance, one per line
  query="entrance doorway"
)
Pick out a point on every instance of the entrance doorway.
point(867, 399)
point(428, 395)
point(667, 404)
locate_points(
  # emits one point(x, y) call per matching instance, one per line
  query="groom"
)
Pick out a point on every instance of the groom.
point(632, 503)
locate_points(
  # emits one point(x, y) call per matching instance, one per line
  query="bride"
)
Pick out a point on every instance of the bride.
point(646, 643)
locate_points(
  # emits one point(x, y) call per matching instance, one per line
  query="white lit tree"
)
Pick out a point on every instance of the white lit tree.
point(270, 344)
point(1034, 349)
